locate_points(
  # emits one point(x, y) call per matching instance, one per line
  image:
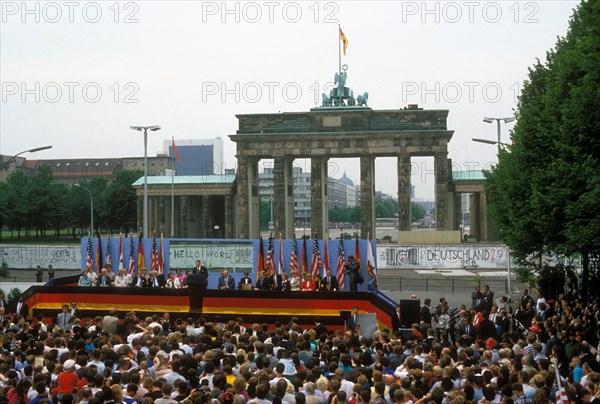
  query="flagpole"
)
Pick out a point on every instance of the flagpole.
point(173, 190)
point(340, 63)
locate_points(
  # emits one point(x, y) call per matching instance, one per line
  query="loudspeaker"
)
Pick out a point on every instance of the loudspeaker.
point(404, 333)
point(410, 312)
point(345, 315)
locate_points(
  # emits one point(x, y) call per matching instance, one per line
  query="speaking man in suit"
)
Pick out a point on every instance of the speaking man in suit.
point(202, 271)
point(329, 282)
point(226, 282)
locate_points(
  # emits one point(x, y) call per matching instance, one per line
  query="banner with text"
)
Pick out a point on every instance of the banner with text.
point(236, 257)
point(31, 255)
point(441, 257)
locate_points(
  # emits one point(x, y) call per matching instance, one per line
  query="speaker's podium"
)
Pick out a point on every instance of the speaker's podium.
point(197, 285)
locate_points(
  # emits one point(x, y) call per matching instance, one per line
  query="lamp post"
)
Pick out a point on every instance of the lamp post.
point(145, 129)
point(91, 207)
point(5, 164)
point(499, 131)
point(499, 143)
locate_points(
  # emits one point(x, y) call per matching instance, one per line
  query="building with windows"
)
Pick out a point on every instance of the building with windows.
point(342, 192)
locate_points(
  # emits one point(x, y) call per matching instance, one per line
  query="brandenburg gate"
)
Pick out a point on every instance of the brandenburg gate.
point(339, 131)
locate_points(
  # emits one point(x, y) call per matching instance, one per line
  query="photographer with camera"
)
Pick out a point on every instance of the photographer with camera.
point(352, 267)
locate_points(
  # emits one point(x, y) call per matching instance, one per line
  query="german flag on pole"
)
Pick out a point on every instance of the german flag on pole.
point(140, 260)
point(344, 41)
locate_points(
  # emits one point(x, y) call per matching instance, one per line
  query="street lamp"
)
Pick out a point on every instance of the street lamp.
point(499, 141)
point(5, 164)
point(500, 144)
point(145, 129)
point(91, 207)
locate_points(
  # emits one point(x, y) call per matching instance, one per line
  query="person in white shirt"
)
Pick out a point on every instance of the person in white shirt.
point(122, 279)
point(173, 282)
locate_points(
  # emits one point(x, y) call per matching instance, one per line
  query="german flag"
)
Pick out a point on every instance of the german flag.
point(344, 40)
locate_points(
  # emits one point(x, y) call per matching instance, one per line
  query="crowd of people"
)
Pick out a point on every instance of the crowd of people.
point(490, 351)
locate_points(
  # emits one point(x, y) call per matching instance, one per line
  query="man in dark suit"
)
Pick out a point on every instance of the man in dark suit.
point(396, 322)
point(140, 280)
point(354, 324)
point(329, 282)
point(201, 270)
point(426, 312)
point(21, 308)
point(245, 281)
point(466, 328)
point(75, 312)
point(226, 282)
point(103, 279)
point(3, 302)
point(275, 280)
point(156, 280)
point(487, 299)
point(319, 327)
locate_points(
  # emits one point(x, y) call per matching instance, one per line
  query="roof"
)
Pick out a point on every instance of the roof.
point(346, 180)
point(468, 175)
point(187, 179)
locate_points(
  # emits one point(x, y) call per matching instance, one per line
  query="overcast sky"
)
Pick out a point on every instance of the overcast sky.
point(76, 75)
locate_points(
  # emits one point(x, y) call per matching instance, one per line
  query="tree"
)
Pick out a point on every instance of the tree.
point(545, 190)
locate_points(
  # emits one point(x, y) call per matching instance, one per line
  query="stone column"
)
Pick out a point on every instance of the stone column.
point(474, 215)
point(283, 194)
point(140, 214)
point(183, 216)
point(404, 193)
point(162, 216)
point(319, 205)
point(367, 196)
point(228, 217)
point(205, 221)
point(247, 224)
point(441, 191)
point(458, 216)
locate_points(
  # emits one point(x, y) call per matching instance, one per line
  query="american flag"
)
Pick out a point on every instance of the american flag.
point(161, 257)
point(316, 262)
point(131, 256)
point(108, 259)
point(154, 255)
point(121, 251)
point(89, 262)
point(340, 269)
point(294, 256)
point(561, 396)
point(270, 254)
point(280, 261)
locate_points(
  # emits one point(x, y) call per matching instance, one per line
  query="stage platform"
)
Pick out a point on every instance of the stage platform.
point(252, 306)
